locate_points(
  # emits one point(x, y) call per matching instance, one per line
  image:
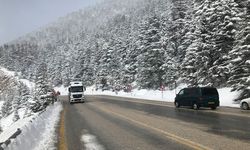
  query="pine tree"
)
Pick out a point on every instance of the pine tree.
point(240, 55)
point(1, 129)
point(224, 21)
point(214, 38)
point(25, 95)
point(151, 59)
point(104, 71)
point(41, 87)
point(16, 103)
point(16, 116)
point(7, 105)
point(85, 69)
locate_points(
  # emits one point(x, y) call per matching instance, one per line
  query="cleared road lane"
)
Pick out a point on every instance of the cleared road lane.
point(117, 123)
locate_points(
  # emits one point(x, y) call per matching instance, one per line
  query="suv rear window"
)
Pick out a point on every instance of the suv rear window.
point(192, 91)
point(209, 91)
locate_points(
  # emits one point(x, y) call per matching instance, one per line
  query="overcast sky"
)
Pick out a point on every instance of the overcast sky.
point(18, 17)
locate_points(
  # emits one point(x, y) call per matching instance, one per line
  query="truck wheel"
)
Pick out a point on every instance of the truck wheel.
point(195, 106)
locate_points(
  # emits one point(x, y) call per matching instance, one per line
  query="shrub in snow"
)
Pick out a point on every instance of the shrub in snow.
point(16, 116)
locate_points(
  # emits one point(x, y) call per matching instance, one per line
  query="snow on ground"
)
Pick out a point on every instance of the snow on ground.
point(10, 128)
point(29, 84)
point(38, 131)
point(63, 90)
point(6, 122)
point(91, 143)
point(226, 96)
point(7, 72)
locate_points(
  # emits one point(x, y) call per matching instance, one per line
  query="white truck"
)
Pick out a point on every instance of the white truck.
point(76, 92)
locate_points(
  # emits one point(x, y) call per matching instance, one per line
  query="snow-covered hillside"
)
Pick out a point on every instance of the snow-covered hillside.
point(37, 128)
point(151, 43)
point(15, 97)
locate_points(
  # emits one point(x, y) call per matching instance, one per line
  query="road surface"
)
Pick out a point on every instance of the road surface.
point(113, 123)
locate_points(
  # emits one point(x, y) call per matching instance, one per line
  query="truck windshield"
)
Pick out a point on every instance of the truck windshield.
point(76, 89)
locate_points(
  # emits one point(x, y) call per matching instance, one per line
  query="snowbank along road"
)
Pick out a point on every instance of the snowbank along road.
point(112, 123)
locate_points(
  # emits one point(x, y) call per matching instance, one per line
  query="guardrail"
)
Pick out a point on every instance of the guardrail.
point(4, 144)
point(8, 141)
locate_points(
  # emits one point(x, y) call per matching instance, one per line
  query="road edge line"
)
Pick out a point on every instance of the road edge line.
point(62, 141)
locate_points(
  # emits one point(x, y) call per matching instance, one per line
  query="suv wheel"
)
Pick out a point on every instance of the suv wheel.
point(177, 105)
point(195, 106)
point(213, 107)
point(244, 106)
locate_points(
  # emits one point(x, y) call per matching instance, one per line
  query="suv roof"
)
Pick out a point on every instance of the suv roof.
point(200, 88)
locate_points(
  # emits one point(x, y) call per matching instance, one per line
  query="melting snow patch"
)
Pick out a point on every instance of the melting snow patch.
point(91, 143)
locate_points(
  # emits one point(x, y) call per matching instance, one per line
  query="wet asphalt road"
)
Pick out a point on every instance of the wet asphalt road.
point(130, 124)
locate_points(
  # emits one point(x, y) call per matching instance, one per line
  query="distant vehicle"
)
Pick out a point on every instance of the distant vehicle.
point(244, 104)
point(50, 94)
point(198, 97)
point(76, 92)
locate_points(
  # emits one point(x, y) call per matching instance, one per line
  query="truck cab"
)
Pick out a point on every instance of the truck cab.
point(76, 92)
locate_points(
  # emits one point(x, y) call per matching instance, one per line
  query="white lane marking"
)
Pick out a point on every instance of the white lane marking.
point(91, 143)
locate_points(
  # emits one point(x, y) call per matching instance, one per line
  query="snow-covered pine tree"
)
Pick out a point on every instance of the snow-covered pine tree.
point(7, 105)
point(16, 103)
point(16, 115)
point(206, 49)
point(84, 68)
point(177, 24)
point(176, 32)
point(41, 88)
point(124, 36)
point(213, 30)
point(239, 63)
point(106, 64)
point(151, 58)
point(224, 19)
point(189, 65)
point(1, 129)
point(25, 95)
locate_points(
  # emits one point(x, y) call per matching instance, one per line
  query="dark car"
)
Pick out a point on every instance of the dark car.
point(198, 97)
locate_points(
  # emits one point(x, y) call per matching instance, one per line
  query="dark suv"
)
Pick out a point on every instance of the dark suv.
point(198, 97)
